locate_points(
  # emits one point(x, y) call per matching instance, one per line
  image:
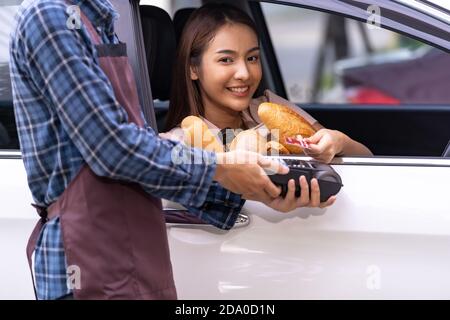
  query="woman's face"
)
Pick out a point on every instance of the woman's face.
point(230, 69)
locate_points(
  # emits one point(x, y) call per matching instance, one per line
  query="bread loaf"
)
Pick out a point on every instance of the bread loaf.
point(287, 122)
point(249, 140)
point(198, 135)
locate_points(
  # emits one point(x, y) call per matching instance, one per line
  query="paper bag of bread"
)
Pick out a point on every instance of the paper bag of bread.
point(198, 135)
point(288, 123)
point(253, 140)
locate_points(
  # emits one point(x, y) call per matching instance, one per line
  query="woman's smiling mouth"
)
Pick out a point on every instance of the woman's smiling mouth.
point(239, 91)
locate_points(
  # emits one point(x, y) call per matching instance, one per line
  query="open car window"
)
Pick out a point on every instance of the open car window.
point(327, 58)
point(380, 87)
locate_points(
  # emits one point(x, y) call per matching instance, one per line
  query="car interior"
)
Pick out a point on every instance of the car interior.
point(161, 35)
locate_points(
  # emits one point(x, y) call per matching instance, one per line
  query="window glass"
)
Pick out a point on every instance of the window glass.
point(327, 58)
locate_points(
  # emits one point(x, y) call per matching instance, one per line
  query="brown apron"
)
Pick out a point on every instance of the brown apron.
point(113, 232)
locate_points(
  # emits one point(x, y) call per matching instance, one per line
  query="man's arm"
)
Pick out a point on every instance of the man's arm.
point(220, 209)
point(61, 64)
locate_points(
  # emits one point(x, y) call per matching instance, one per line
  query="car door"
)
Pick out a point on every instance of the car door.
point(386, 236)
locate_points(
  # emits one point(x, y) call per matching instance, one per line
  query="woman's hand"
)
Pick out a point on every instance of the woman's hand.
point(325, 144)
point(290, 202)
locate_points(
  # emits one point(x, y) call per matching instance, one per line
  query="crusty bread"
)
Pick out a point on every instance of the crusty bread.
point(288, 122)
point(198, 135)
point(249, 140)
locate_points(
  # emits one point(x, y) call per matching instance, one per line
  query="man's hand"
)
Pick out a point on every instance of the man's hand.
point(290, 202)
point(243, 172)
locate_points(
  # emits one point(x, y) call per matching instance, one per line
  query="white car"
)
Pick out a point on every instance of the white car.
point(388, 234)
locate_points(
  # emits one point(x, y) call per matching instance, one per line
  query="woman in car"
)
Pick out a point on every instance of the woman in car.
point(216, 74)
point(218, 70)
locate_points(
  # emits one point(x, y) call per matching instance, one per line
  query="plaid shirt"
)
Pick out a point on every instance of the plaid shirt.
point(67, 117)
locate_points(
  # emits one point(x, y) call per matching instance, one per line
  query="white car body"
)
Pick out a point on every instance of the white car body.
point(386, 237)
point(17, 219)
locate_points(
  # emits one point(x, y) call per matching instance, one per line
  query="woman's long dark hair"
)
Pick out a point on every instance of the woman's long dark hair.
point(200, 29)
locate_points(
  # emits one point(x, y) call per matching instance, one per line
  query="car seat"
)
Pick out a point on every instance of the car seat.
point(160, 46)
point(179, 20)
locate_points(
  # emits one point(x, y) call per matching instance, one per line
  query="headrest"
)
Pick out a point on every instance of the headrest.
point(160, 46)
point(179, 20)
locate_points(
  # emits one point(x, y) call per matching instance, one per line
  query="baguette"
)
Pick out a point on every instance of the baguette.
point(288, 122)
point(198, 135)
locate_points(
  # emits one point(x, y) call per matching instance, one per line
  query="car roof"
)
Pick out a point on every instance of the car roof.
point(429, 22)
point(433, 8)
point(443, 4)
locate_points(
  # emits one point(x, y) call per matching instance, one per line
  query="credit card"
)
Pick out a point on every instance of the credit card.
point(298, 141)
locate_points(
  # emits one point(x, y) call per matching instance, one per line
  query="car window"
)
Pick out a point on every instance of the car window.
point(8, 132)
point(161, 91)
point(327, 58)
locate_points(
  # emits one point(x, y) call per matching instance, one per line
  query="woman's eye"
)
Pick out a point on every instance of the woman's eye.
point(253, 59)
point(226, 60)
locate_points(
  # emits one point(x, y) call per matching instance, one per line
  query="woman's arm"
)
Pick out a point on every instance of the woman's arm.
point(325, 144)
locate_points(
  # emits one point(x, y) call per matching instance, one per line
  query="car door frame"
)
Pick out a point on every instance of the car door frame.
point(129, 30)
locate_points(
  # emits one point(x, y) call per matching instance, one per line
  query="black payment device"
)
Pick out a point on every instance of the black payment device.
point(330, 183)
